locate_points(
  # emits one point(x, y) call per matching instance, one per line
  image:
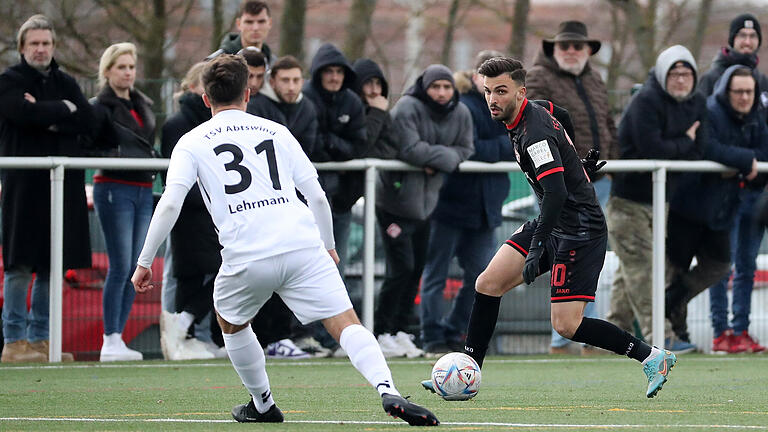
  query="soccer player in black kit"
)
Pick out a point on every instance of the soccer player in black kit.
point(568, 238)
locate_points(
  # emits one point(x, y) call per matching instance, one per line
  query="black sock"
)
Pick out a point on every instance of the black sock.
point(482, 322)
point(605, 335)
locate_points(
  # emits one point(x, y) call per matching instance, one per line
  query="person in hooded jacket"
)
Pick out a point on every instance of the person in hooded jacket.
point(464, 222)
point(704, 206)
point(437, 135)
point(744, 40)
point(341, 131)
point(666, 119)
point(123, 199)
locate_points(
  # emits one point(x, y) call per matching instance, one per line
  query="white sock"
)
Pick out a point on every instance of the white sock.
point(366, 357)
point(654, 352)
point(185, 320)
point(248, 359)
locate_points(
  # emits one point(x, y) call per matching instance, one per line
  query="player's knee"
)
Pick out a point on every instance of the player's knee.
point(229, 328)
point(565, 326)
point(489, 286)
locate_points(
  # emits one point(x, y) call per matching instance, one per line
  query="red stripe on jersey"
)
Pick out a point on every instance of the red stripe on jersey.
point(104, 179)
point(518, 247)
point(551, 107)
point(519, 114)
point(549, 171)
point(574, 297)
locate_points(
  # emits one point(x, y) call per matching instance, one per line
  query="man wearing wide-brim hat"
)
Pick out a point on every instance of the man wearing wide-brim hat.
point(562, 74)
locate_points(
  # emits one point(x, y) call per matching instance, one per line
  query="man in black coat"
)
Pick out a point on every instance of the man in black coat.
point(666, 119)
point(42, 112)
point(254, 20)
point(341, 133)
point(283, 93)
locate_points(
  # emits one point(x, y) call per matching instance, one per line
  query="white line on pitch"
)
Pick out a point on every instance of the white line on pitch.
point(390, 423)
point(342, 362)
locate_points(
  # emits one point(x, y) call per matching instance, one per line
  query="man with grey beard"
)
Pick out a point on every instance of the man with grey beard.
point(666, 119)
point(563, 75)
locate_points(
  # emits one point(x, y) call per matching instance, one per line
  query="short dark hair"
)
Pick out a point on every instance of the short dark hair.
point(225, 79)
point(285, 62)
point(252, 7)
point(253, 57)
point(496, 66)
point(742, 71)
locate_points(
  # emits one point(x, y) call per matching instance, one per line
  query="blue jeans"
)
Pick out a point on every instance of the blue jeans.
point(474, 249)
point(17, 323)
point(124, 212)
point(746, 236)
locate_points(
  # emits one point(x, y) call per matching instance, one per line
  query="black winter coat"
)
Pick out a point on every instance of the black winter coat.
point(654, 126)
point(713, 198)
point(44, 128)
point(300, 117)
point(117, 128)
point(724, 59)
point(194, 242)
point(341, 134)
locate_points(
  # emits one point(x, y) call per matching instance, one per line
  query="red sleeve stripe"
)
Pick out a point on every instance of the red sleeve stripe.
point(551, 107)
point(549, 171)
point(518, 247)
point(573, 297)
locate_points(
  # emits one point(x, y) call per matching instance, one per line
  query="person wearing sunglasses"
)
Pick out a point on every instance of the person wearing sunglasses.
point(563, 75)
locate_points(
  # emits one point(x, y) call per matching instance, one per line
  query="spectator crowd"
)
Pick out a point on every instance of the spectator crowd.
point(340, 109)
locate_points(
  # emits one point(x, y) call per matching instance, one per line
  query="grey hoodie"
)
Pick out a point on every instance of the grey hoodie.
point(668, 58)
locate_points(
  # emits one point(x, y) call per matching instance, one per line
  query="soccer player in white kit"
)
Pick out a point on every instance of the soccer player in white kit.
point(248, 169)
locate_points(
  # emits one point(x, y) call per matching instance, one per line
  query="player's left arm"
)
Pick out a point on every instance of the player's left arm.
point(182, 173)
point(545, 157)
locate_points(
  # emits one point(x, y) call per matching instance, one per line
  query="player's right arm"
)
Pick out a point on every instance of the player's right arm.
point(182, 173)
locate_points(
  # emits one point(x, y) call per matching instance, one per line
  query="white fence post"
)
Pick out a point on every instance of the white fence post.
point(369, 236)
point(56, 264)
point(659, 244)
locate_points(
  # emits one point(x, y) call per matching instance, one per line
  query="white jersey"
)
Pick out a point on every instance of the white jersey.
point(247, 168)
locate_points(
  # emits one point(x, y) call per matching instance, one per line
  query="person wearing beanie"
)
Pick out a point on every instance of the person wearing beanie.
point(744, 39)
point(666, 119)
point(464, 222)
point(436, 135)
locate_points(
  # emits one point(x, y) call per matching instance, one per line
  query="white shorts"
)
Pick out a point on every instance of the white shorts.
point(307, 280)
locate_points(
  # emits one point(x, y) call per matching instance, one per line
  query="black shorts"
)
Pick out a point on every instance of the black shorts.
point(575, 264)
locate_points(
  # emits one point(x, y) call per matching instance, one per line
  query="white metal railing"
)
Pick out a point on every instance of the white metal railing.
point(57, 165)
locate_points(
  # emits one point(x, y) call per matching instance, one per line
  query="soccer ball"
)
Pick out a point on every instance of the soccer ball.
point(456, 377)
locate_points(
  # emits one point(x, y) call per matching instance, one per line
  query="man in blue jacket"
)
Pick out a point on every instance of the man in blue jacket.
point(704, 205)
point(464, 222)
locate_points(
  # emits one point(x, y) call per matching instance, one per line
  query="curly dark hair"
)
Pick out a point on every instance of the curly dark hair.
point(225, 78)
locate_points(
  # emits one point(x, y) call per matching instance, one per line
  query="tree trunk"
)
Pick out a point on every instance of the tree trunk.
point(414, 40)
point(618, 44)
point(516, 45)
point(154, 58)
point(292, 29)
point(702, 21)
point(358, 28)
point(450, 28)
point(218, 24)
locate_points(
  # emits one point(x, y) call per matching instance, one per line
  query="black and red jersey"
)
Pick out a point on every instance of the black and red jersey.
point(542, 148)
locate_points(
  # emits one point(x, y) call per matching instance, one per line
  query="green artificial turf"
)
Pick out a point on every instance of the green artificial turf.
point(517, 393)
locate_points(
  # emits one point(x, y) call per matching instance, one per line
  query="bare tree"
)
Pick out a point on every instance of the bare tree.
point(702, 21)
point(292, 28)
point(517, 20)
point(358, 28)
point(217, 19)
point(450, 28)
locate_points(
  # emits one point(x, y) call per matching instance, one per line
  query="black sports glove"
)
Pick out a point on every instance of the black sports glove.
point(592, 162)
point(531, 268)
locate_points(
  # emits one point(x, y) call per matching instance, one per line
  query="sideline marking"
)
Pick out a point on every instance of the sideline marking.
point(345, 362)
point(357, 422)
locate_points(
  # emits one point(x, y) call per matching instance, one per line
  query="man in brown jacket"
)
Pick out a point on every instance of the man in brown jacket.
point(562, 74)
